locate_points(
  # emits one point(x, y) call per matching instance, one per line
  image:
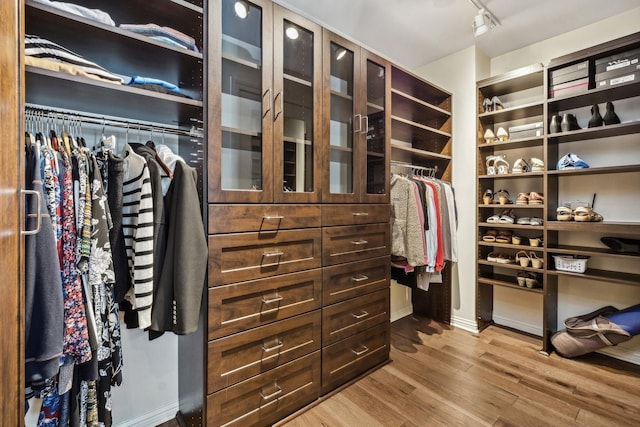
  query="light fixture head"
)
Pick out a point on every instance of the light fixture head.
point(241, 8)
point(341, 53)
point(291, 32)
point(484, 20)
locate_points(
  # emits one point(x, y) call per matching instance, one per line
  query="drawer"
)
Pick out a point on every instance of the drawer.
point(355, 214)
point(351, 357)
point(244, 218)
point(354, 243)
point(349, 317)
point(345, 281)
point(246, 256)
point(237, 357)
point(268, 397)
point(240, 306)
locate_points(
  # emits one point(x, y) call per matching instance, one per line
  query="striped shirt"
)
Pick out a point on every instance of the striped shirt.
point(137, 225)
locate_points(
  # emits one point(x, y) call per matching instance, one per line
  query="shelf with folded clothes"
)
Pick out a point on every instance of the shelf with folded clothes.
point(617, 277)
point(506, 281)
point(119, 51)
point(71, 92)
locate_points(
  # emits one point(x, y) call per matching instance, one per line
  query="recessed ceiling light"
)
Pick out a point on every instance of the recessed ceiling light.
point(292, 33)
point(241, 8)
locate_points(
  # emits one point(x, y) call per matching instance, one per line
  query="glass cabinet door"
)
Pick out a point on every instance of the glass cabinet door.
point(296, 107)
point(343, 121)
point(242, 157)
point(376, 130)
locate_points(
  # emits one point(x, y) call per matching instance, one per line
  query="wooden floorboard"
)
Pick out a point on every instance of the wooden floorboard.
point(443, 376)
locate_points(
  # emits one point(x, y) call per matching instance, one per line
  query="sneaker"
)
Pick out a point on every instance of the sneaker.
point(571, 161)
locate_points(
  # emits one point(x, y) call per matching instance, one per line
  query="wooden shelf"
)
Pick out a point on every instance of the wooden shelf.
point(603, 276)
point(596, 171)
point(511, 226)
point(513, 175)
point(589, 251)
point(512, 206)
point(298, 80)
point(511, 246)
point(400, 99)
point(513, 113)
point(511, 266)
point(342, 95)
point(595, 133)
point(514, 81)
point(606, 227)
point(407, 83)
point(536, 141)
point(593, 96)
point(398, 145)
point(507, 282)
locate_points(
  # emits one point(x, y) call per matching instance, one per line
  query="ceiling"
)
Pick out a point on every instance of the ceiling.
point(416, 32)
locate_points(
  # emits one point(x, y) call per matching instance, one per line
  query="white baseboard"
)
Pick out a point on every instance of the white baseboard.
point(521, 326)
point(465, 324)
point(153, 418)
point(401, 312)
point(627, 351)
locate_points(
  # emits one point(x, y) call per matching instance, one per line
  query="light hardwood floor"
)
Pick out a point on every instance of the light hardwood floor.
point(442, 376)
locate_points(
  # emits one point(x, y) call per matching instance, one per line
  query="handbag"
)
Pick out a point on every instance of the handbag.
point(589, 332)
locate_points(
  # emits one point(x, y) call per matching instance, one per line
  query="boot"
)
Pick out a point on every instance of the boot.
point(610, 117)
point(596, 119)
point(554, 126)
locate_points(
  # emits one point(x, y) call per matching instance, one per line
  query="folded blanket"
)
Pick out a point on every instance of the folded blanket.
point(156, 30)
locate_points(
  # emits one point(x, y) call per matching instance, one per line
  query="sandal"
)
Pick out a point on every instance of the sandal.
point(535, 242)
point(507, 217)
point(522, 278)
point(521, 166)
point(516, 240)
point(535, 221)
point(499, 258)
point(493, 219)
point(536, 262)
point(504, 236)
point(523, 199)
point(487, 197)
point(502, 135)
point(491, 169)
point(523, 259)
point(525, 220)
point(531, 281)
point(501, 165)
point(536, 198)
point(489, 137)
point(504, 198)
point(537, 165)
point(564, 213)
point(490, 236)
point(586, 214)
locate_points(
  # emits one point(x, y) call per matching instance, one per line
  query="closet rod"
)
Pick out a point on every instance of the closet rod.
point(433, 170)
point(112, 121)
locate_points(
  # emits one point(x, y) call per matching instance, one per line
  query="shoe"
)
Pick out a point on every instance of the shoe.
point(536, 198)
point(489, 137)
point(507, 217)
point(535, 221)
point(525, 220)
point(487, 197)
point(536, 262)
point(622, 245)
point(516, 240)
point(504, 236)
point(554, 126)
point(491, 169)
point(610, 117)
point(521, 166)
point(501, 165)
point(493, 219)
point(522, 278)
point(537, 165)
point(535, 242)
point(523, 259)
point(571, 161)
point(569, 122)
point(564, 213)
point(504, 198)
point(531, 281)
point(586, 214)
point(596, 119)
point(496, 104)
point(523, 199)
point(486, 105)
point(490, 236)
point(502, 135)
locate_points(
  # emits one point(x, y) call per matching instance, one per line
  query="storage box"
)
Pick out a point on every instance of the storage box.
point(631, 77)
point(529, 130)
point(573, 264)
point(573, 87)
point(570, 73)
point(621, 61)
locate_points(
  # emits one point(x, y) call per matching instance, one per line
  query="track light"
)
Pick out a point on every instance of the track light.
point(484, 20)
point(241, 8)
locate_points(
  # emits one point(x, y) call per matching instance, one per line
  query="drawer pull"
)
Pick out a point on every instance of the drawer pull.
point(360, 278)
point(274, 394)
point(275, 299)
point(360, 242)
point(361, 315)
point(272, 254)
point(271, 217)
point(360, 213)
point(361, 352)
point(279, 344)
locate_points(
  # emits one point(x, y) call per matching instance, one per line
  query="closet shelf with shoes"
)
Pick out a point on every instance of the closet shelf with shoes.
point(507, 281)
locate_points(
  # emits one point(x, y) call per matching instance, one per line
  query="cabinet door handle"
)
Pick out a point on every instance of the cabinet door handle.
point(360, 278)
point(359, 119)
point(274, 394)
point(36, 215)
point(274, 217)
point(361, 352)
point(360, 242)
point(275, 299)
point(268, 91)
point(361, 315)
point(272, 254)
point(279, 94)
point(360, 213)
point(366, 125)
point(280, 344)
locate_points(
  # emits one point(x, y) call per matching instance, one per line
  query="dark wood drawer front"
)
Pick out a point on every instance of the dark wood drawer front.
point(244, 218)
point(240, 306)
point(354, 243)
point(349, 317)
point(246, 256)
point(241, 356)
point(345, 281)
point(354, 214)
point(266, 398)
point(351, 357)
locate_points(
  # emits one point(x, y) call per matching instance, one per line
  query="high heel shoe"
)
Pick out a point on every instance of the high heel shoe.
point(596, 119)
point(610, 117)
point(489, 136)
point(486, 105)
point(496, 104)
point(502, 135)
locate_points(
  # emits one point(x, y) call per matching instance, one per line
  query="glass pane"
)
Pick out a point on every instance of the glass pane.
point(241, 166)
point(298, 108)
point(341, 124)
point(376, 130)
